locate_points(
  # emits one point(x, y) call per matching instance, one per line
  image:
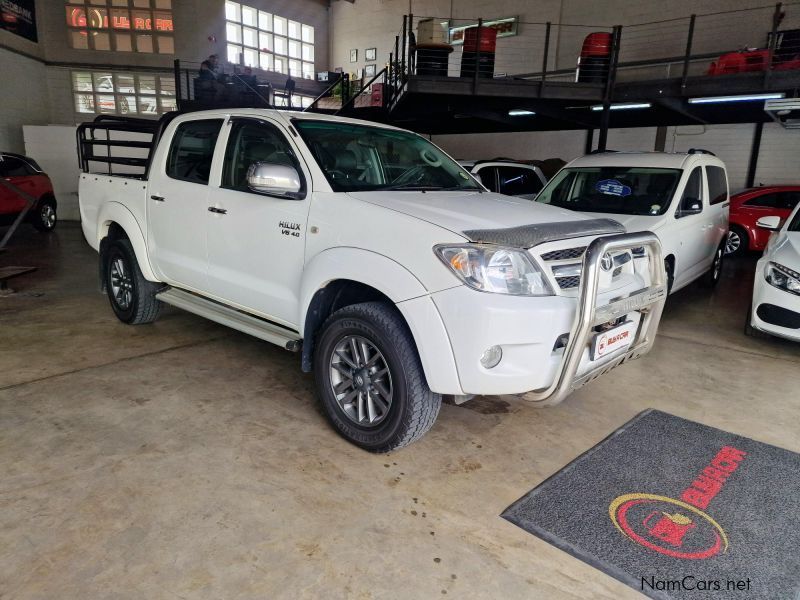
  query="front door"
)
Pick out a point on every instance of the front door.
point(256, 242)
point(177, 205)
point(693, 221)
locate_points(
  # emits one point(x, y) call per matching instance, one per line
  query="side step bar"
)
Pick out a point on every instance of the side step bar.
point(235, 319)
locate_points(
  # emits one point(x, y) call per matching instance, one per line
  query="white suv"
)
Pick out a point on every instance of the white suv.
point(507, 177)
point(682, 198)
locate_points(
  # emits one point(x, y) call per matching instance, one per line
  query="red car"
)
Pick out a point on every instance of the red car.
point(24, 173)
point(748, 206)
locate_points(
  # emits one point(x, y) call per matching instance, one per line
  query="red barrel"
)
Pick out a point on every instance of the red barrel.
point(595, 58)
point(596, 44)
point(488, 39)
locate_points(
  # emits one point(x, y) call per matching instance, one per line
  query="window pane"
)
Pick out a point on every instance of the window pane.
point(164, 4)
point(295, 68)
point(294, 49)
point(192, 150)
point(166, 45)
point(280, 65)
point(126, 104)
point(168, 104)
point(101, 41)
point(119, 2)
point(306, 101)
point(148, 105)
point(265, 42)
point(84, 103)
point(163, 21)
point(82, 82)
point(233, 11)
point(234, 33)
point(308, 34)
point(250, 57)
point(264, 21)
point(147, 84)
point(76, 16)
point(144, 43)
point(98, 18)
point(280, 45)
point(717, 185)
point(249, 16)
point(79, 40)
point(141, 3)
point(233, 53)
point(167, 83)
point(103, 82)
point(142, 20)
point(122, 42)
point(106, 103)
point(294, 30)
point(279, 25)
point(250, 37)
point(308, 70)
point(266, 61)
point(308, 52)
point(126, 84)
point(120, 19)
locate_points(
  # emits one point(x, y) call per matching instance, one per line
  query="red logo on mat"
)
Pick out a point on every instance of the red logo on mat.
point(679, 528)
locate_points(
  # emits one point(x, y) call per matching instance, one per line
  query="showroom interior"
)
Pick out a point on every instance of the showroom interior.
point(399, 299)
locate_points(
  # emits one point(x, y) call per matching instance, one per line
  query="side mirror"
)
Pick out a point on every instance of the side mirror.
point(772, 223)
point(690, 206)
point(276, 180)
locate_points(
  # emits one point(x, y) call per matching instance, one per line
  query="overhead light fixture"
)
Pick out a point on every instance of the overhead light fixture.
point(745, 98)
point(625, 106)
point(520, 112)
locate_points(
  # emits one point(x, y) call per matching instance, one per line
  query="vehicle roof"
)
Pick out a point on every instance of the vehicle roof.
point(657, 160)
point(285, 115)
point(765, 189)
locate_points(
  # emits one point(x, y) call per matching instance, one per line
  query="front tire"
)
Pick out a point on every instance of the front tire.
point(737, 242)
point(132, 297)
point(44, 216)
point(370, 379)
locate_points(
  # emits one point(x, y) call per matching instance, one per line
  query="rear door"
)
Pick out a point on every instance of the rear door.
point(519, 181)
point(256, 242)
point(177, 205)
point(719, 207)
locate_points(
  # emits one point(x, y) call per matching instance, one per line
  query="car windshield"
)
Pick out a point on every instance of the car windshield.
point(616, 190)
point(795, 224)
point(362, 158)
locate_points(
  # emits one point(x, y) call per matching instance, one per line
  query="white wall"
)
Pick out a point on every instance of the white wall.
point(779, 159)
point(53, 147)
point(23, 98)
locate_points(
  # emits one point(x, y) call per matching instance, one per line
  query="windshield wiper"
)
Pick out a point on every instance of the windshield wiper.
point(410, 187)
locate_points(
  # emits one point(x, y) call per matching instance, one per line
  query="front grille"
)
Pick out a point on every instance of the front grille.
point(565, 254)
point(566, 283)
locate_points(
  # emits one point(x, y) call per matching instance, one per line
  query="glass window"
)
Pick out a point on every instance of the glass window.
point(166, 45)
point(233, 11)
point(144, 43)
point(489, 178)
point(280, 45)
point(294, 49)
point(265, 42)
point(279, 25)
point(249, 16)
point(123, 42)
point(763, 201)
point(294, 30)
point(252, 142)
point(123, 93)
point(692, 198)
point(517, 181)
point(308, 34)
point(613, 190)
point(717, 185)
point(192, 150)
point(264, 21)
point(89, 23)
point(14, 167)
point(360, 158)
point(250, 37)
point(308, 52)
point(790, 199)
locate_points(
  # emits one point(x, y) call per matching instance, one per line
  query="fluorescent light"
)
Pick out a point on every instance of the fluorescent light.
point(747, 98)
point(625, 106)
point(520, 112)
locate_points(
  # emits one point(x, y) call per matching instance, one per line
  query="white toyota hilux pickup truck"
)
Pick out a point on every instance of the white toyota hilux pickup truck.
point(366, 248)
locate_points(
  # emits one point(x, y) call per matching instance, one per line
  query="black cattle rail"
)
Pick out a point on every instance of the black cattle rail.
point(127, 142)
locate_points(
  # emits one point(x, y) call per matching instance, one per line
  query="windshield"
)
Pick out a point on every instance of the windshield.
point(358, 158)
point(616, 190)
point(795, 224)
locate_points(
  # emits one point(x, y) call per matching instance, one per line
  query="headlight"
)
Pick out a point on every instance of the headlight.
point(783, 278)
point(495, 269)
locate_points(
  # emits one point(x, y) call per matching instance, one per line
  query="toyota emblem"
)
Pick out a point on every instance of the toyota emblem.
point(607, 263)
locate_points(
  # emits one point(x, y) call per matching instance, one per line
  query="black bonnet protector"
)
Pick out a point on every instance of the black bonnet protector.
point(528, 236)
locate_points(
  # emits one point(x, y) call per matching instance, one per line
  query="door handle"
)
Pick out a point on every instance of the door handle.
point(157, 198)
point(219, 211)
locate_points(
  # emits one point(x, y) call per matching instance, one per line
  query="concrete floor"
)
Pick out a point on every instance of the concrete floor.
point(185, 460)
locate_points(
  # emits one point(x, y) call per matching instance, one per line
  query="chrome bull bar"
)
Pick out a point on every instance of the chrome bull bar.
point(649, 302)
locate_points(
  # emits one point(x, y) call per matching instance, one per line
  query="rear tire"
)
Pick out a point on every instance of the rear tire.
point(132, 297)
point(737, 242)
point(714, 274)
point(45, 217)
point(370, 379)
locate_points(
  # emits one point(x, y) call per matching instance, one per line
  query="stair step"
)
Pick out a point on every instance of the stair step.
point(235, 319)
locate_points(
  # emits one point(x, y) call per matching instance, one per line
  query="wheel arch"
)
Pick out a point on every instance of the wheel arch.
point(116, 221)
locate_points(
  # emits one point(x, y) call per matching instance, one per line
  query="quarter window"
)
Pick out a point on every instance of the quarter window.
point(121, 25)
point(692, 194)
point(717, 185)
point(192, 150)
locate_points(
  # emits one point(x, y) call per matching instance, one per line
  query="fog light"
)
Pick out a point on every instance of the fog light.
point(492, 357)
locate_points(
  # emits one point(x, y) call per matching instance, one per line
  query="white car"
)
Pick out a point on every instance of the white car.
point(370, 251)
point(507, 177)
point(776, 290)
point(682, 198)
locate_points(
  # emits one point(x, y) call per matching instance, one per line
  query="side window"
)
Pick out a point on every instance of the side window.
point(516, 181)
point(251, 142)
point(764, 201)
point(488, 178)
point(788, 200)
point(192, 150)
point(717, 185)
point(14, 167)
point(692, 199)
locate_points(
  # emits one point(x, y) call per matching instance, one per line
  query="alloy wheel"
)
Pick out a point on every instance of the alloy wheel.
point(733, 243)
point(361, 381)
point(121, 283)
point(48, 216)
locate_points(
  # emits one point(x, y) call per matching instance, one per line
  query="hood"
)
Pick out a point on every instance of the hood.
point(633, 223)
point(465, 211)
point(787, 250)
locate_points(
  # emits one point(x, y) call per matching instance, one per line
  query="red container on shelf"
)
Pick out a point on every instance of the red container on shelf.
point(596, 44)
point(488, 42)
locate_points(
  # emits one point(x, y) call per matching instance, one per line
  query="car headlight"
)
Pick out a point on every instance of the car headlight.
point(495, 269)
point(783, 277)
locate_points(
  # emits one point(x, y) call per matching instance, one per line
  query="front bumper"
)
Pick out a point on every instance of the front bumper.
point(528, 329)
point(774, 311)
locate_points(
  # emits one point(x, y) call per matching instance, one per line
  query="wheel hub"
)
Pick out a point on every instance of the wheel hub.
point(361, 381)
